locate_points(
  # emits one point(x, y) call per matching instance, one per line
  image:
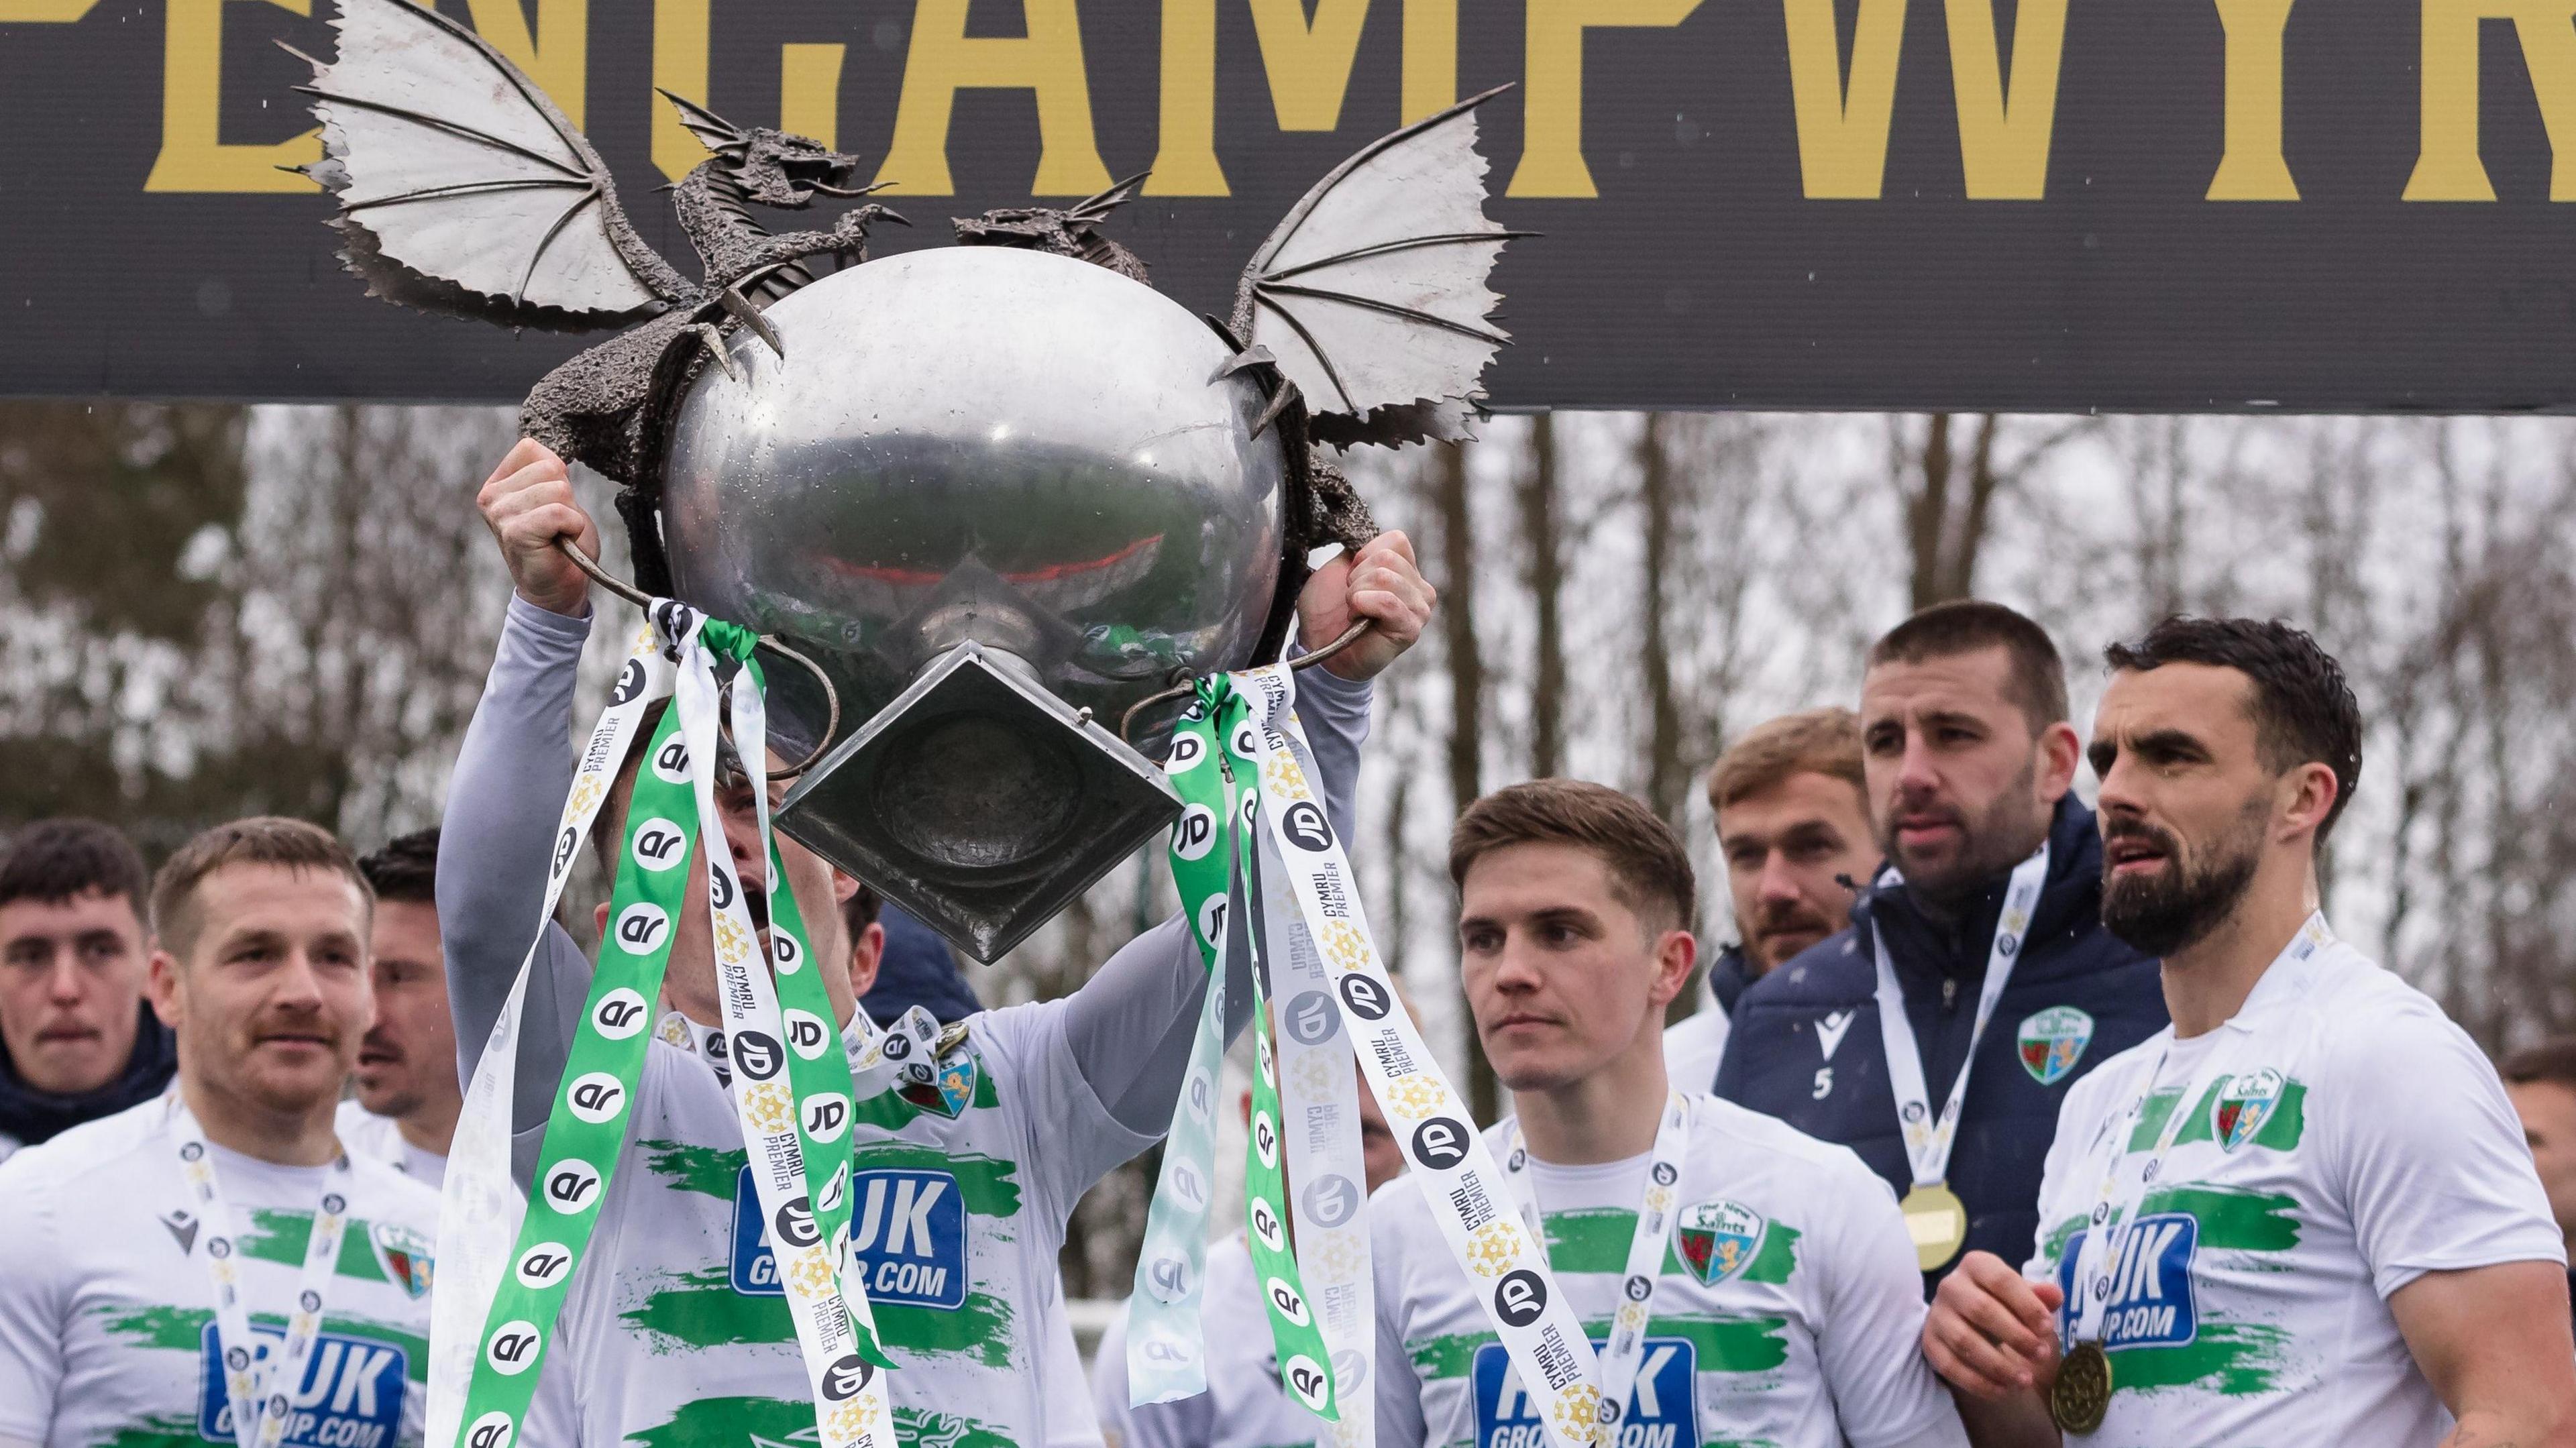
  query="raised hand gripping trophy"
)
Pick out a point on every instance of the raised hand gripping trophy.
point(988, 498)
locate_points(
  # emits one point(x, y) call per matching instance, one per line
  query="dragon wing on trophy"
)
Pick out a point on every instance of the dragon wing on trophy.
point(997, 493)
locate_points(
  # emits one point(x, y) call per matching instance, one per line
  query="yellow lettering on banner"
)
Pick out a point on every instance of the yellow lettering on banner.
point(1046, 60)
point(2252, 168)
point(680, 67)
point(43, 12)
point(1185, 161)
point(1309, 64)
point(1552, 122)
point(556, 56)
point(809, 92)
point(2448, 168)
point(2004, 135)
point(1842, 135)
point(1430, 57)
point(193, 156)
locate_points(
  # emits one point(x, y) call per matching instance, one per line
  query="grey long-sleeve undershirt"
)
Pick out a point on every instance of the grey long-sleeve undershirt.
point(1129, 1027)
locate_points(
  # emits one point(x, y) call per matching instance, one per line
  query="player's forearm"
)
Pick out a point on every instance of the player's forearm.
point(497, 838)
point(2018, 1421)
point(2535, 1423)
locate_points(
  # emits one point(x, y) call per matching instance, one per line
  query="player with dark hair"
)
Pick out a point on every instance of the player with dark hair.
point(1674, 1221)
point(210, 1266)
point(76, 1040)
point(1976, 986)
point(408, 1098)
point(2303, 1216)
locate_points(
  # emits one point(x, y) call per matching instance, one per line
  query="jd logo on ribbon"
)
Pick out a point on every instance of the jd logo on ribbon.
point(406, 1256)
point(1663, 1407)
point(2243, 1105)
point(2151, 1302)
point(351, 1396)
point(1304, 823)
point(908, 1229)
point(2053, 1041)
point(1717, 1240)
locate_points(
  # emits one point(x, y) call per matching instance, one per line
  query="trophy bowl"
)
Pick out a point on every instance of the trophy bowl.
point(993, 493)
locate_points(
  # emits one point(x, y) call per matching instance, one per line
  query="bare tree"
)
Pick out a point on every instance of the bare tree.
point(1542, 526)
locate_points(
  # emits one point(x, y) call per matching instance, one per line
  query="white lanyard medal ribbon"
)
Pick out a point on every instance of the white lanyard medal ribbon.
point(1459, 1179)
point(1647, 1244)
point(1934, 1216)
point(261, 1388)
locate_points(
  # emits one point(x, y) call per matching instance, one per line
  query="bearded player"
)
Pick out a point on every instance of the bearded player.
point(673, 1332)
point(2325, 1232)
point(1783, 1302)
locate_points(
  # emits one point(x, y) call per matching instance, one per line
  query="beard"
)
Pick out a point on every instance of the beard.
point(2177, 906)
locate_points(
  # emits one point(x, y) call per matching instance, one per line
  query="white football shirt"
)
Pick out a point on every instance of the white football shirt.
point(364, 1133)
point(107, 1323)
point(1789, 1311)
point(1244, 1406)
point(2359, 1141)
point(676, 1330)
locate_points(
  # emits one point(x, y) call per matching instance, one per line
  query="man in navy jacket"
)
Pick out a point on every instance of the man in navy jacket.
point(1970, 761)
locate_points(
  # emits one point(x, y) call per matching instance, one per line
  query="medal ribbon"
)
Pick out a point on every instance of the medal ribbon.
point(585, 1132)
point(789, 1127)
point(1928, 1138)
point(1626, 1348)
point(1459, 1180)
point(260, 1388)
point(1166, 1347)
point(2113, 1222)
point(1320, 1136)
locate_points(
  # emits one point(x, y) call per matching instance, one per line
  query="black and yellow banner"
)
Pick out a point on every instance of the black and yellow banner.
point(2012, 204)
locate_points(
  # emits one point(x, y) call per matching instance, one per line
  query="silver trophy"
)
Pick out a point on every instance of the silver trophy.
point(994, 499)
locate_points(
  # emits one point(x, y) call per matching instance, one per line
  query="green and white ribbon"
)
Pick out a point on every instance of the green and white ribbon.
point(504, 1318)
point(1460, 1182)
point(1166, 1351)
point(483, 1212)
point(1215, 863)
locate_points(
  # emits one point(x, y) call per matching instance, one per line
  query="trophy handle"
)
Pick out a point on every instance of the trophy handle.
point(1181, 690)
point(831, 696)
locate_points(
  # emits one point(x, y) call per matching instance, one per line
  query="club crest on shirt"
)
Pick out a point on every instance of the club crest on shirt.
point(408, 1257)
point(2243, 1105)
point(1663, 1408)
point(1717, 1239)
point(907, 1228)
point(2053, 1041)
point(950, 1089)
point(351, 1396)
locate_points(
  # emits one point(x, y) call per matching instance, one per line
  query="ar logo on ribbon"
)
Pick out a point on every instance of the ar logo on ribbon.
point(2053, 1041)
point(2243, 1105)
point(1717, 1239)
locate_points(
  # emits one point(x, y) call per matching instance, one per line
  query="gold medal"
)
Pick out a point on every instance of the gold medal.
point(1937, 1221)
point(2082, 1393)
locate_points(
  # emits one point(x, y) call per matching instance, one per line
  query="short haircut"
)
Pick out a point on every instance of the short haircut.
point(2552, 1062)
point(56, 861)
point(406, 869)
point(1819, 741)
point(1648, 866)
point(860, 911)
point(261, 840)
point(2303, 708)
point(2036, 678)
